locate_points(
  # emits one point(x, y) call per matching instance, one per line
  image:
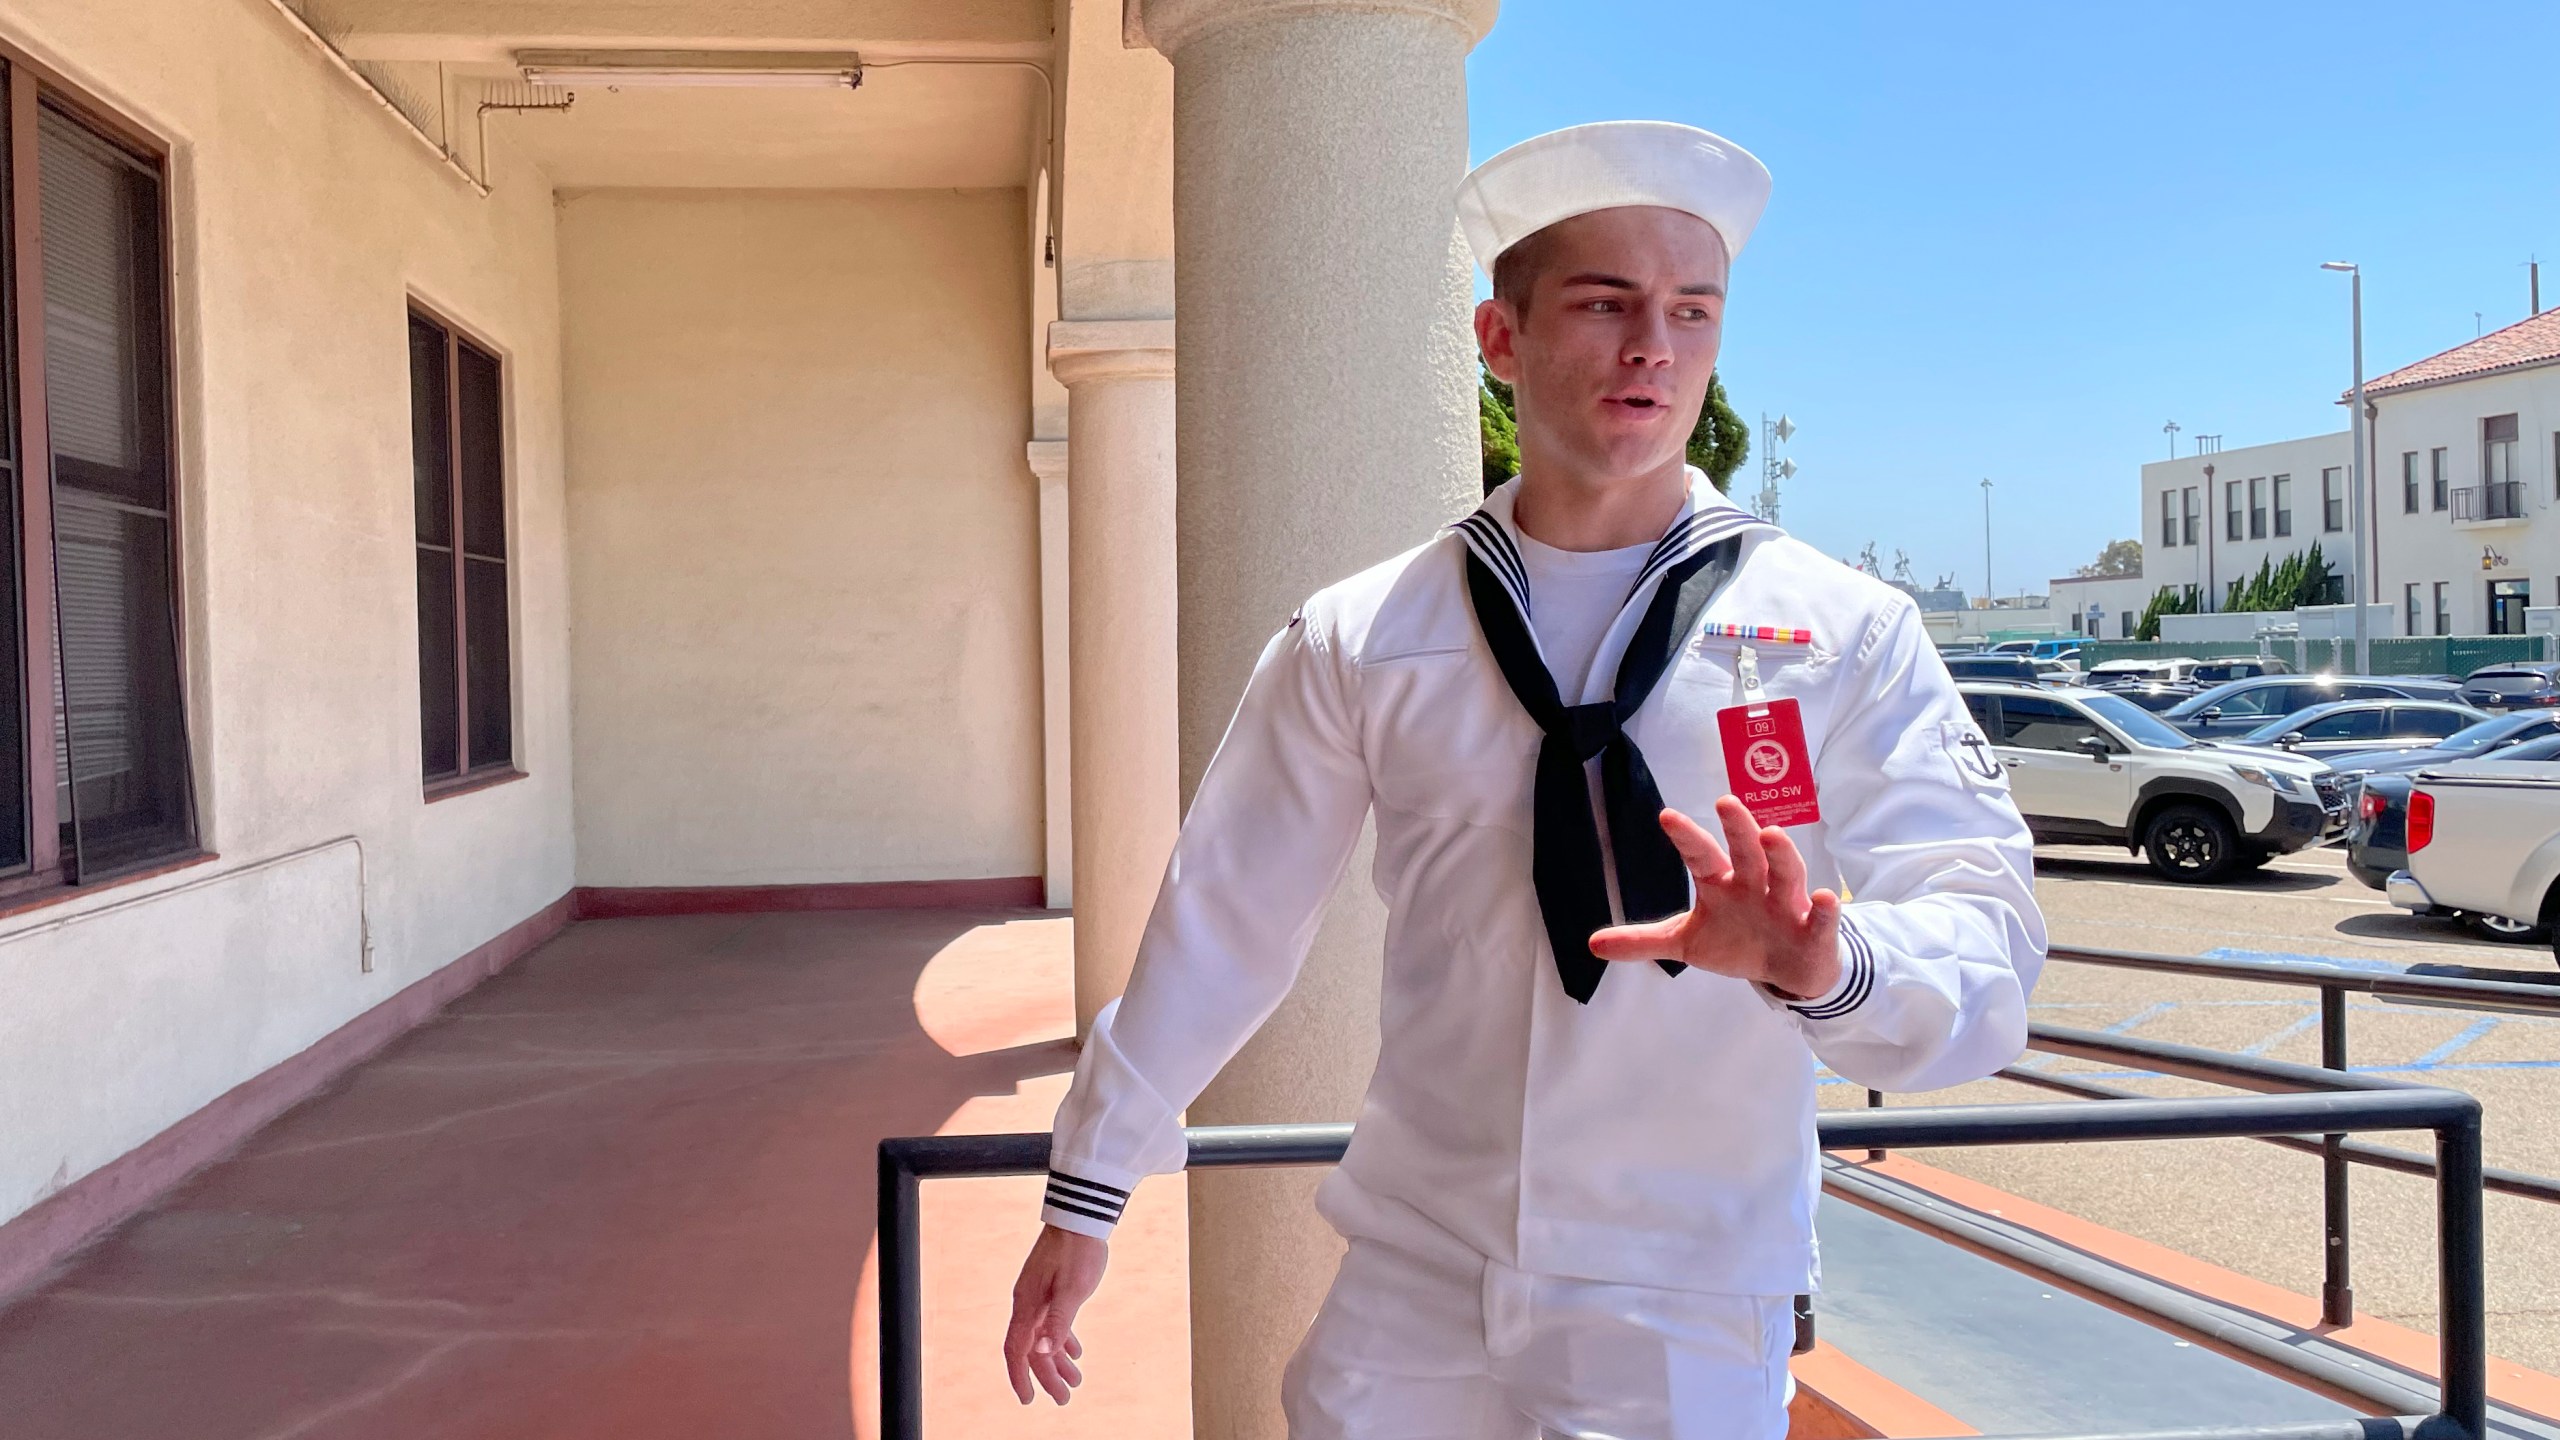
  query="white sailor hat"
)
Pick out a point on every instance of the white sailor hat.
point(1583, 168)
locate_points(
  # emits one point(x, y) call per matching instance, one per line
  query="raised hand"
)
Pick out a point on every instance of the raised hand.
point(1751, 917)
point(1060, 1274)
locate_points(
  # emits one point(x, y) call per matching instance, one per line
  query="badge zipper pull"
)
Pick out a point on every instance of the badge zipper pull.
point(1747, 669)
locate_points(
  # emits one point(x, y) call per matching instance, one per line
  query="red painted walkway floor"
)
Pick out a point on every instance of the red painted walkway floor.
point(623, 1189)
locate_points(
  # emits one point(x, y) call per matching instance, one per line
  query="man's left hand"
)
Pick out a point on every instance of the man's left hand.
point(1751, 919)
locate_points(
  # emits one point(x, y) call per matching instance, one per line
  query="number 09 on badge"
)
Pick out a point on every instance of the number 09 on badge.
point(1766, 764)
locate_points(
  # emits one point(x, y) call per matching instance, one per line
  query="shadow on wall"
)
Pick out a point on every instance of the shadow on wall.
point(623, 1189)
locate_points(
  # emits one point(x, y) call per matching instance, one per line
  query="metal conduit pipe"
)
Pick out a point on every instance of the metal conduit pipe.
point(2523, 997)
point(2133, 1291)
point(2381, 1157)
point(2395, 1427)
point(2190, 1062)
point(343, 66)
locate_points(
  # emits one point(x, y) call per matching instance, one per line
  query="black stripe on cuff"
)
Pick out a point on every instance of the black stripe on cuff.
point(1098, 1190)
point(1088, 1212)
point(1861, 982)
point(1086, 1197)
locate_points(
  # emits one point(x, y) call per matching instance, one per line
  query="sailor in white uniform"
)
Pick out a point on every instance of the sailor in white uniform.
point(1581, 1188)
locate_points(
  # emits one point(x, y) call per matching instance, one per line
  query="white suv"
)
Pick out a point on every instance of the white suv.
point(2087, 767)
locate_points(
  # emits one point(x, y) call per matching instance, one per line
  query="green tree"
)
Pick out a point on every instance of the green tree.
point(1500, 432)
point(2301, 578)
point(1721, 442)
point(1718, 444)
point(2120, 558)
point(2183, 601)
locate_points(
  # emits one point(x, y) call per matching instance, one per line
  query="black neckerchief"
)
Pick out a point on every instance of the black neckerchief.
point(1693, 560)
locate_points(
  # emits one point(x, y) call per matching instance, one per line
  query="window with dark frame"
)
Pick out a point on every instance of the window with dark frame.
point(95, 733)
point(2188, 516)
point(2444, 610)
point(2283, 486)
point(2333, 502)
point(2258, 507)
point(2409, 482)
point(457, 446)
point(2439, 479)
point(2412, 622)
point(2168, 519)
point(2501, 484)
point(2230, 509)
point(2507, 602)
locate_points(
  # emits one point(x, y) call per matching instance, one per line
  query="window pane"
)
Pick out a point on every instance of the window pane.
point(102, 323)
point(13, 740)
point(439, 730)
point(431, 475)
point(492, 723)
point(2033, 724)
point(484, 456)
point(126, 765)
point(121, 735)
point(2426, 724)
point(2346, 725)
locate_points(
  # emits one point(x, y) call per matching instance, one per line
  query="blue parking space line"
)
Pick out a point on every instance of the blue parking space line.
point(2446, 1051)
point(2284, 1034)
point(2343, 962)
point(2154, 1009)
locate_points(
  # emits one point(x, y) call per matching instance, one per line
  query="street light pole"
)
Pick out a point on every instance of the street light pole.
point(2355, 474)
point(1987, 591)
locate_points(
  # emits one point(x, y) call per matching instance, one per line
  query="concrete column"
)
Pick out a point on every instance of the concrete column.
point(1327, 421)
point(1120, 644)
point(1048, 460)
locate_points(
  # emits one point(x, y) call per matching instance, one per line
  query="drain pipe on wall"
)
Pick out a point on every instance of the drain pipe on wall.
point(294, 18)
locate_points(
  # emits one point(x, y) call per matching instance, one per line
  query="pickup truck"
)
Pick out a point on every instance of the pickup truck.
point(2485, 840)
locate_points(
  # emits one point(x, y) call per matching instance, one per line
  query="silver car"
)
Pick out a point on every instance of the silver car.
point(2354, 727)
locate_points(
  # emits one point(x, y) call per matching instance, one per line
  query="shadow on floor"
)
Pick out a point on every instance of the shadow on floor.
point(623, 1189)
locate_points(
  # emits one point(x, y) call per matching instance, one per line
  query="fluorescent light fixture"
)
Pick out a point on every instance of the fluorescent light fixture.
point(759, 69)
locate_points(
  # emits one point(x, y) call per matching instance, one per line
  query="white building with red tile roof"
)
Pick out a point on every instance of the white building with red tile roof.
point(2463, 512)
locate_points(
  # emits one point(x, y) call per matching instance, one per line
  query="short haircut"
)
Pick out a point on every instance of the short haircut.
point(1516, 271)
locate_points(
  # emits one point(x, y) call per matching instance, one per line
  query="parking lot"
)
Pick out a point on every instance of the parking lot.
point(2251, 1207)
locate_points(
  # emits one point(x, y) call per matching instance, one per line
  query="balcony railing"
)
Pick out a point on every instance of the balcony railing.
point(2308, 1108)
point(2501, 501)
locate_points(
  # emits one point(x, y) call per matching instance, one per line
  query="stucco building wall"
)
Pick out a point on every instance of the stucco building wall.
point(804, 537)
point(2214, 560)
point(303, 221)
point(2430, 546)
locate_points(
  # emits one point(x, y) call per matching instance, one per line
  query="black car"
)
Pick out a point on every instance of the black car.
point(2228, 710)
point(2491, 739)
point(1994, 667)
point(2378, 837)
point(2512, 687)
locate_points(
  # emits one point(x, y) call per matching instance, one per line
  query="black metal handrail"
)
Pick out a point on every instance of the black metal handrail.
point(2335, 983)
point(2497, 500)
point(2341, 1108)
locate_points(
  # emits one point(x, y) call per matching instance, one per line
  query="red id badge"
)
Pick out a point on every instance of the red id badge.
point(1765, 762)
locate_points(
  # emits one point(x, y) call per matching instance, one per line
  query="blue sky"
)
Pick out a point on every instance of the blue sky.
point(2011, 240)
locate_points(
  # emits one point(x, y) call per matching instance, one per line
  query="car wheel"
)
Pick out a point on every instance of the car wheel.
point(2500, 928)
point(2193, 844)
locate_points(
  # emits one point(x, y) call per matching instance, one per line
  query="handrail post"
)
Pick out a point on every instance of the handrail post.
point(901, 1298)
point(2337, 1292)
point(1875, 1101)
point(2461, 1274)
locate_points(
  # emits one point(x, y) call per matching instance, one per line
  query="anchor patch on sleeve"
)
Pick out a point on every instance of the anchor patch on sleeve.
point(1976, 767)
